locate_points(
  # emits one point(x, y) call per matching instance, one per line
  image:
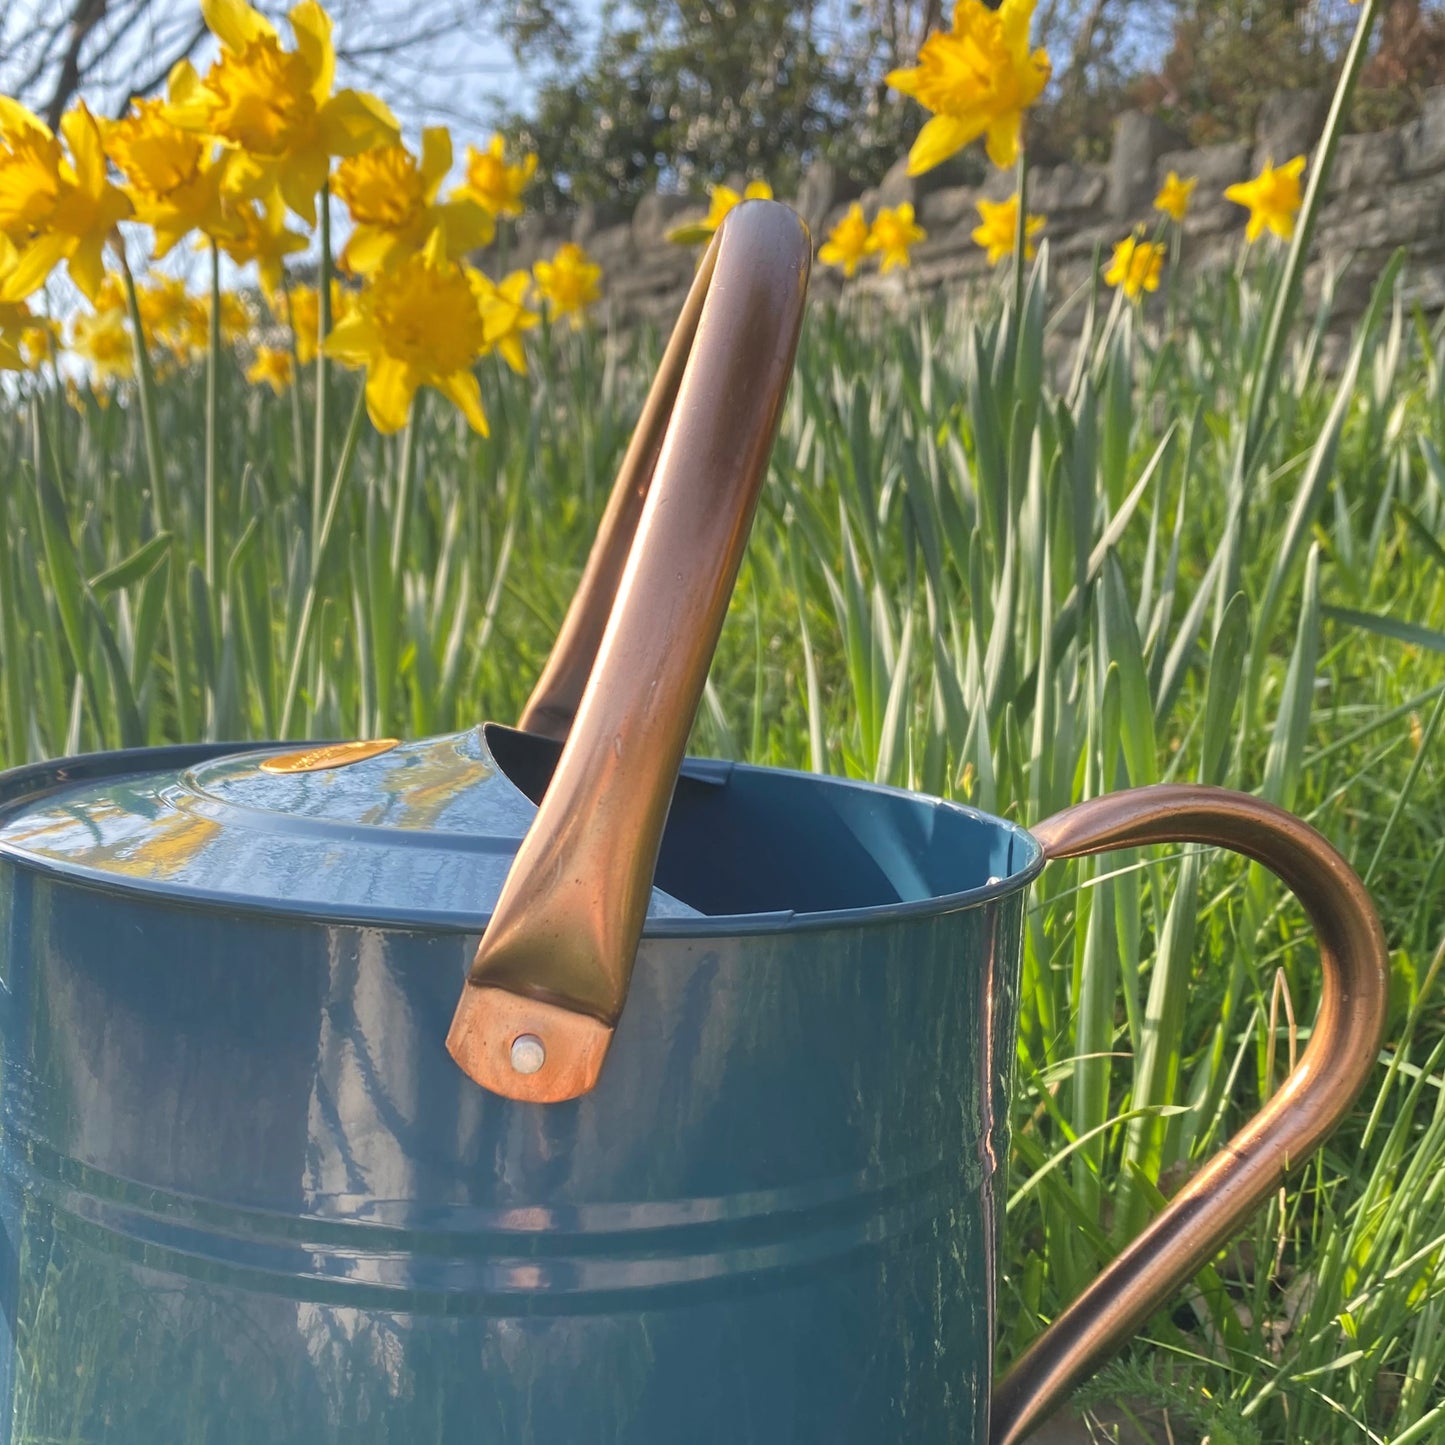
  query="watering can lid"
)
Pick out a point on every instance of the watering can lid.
point(420, 832)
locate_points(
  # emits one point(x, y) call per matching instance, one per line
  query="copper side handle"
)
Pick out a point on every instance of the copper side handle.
point(550, 978)
point(1219, 1199)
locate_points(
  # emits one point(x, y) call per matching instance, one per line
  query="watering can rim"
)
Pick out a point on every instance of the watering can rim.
point(32, 782)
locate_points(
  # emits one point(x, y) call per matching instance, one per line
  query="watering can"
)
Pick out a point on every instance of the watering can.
point(710, 1152)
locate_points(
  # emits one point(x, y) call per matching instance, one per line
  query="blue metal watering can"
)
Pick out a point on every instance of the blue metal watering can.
point(744, 1038)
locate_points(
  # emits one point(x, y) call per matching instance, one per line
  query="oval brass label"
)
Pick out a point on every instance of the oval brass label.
point(336, 755)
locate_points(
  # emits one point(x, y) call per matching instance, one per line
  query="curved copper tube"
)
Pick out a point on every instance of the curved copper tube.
point(1343, 1047)
point(553, 703)
point(555, 962)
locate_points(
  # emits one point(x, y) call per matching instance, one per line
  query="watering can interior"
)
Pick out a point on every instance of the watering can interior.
point(744, 1039)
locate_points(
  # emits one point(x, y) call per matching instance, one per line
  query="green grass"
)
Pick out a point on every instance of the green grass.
point(991, 562)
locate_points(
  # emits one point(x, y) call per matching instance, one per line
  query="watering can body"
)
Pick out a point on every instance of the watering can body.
point(703, 1141)
point(248, 1196)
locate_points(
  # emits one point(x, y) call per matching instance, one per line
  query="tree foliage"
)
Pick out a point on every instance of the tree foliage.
point(680, 93)
point(689, 91)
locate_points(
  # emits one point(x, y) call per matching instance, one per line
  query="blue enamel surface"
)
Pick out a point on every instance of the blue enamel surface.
point(247, 1196)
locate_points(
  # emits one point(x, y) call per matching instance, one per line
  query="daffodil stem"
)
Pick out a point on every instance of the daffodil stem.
point(298, 420)
point(1176, 260)
point(213, 371)
point(1021, 237)
point(323, 328)
point(145, 382)
point(1286, 300)
point(313, 586)
point(403, 489)
point(160, 500)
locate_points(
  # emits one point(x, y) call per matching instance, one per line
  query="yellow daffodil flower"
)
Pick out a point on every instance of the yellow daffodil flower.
point(418, 325)
point(15, 322)
point(847, 242)
point(102, 337)
point(273, 109)
point(301, 310)
point(170, 175)
point(892, 233)
point(171, 317)
point(1273, 198)
point(261, 236)
point(721, 200)
point(978, 79)
point(999, 229)
point(392, 200)
point(30, 161)
point(1174, 196)
point(570, 282)
point(38, 341)
point(83, 216)
point(236, 317)
point(1136, 266)
point(493, 184)
point(271, 367)
point(505, 315)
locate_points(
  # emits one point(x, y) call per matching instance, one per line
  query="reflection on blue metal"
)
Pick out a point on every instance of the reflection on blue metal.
point(247, 1196)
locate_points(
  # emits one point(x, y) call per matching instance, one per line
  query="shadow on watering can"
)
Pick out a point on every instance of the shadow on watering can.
point(745, 1036)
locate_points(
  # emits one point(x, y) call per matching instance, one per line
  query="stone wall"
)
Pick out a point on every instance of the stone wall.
point(1387, 191)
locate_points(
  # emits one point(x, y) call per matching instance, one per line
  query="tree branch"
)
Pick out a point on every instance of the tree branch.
point(47, 43)
point(156, 78)
point(83, 19)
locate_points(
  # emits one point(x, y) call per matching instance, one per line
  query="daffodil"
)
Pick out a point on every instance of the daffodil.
point(261, 236)
point(170, 175)
point(30, 162)
point(998, 232)
point(38, 341)
point(1174, 196)
point(570, 282)
point(492, 183)
point(892, 234)
point(15, 321)
point(236, 317)
point(721, 200)
point(72, 223)
point(102, 337)
point(505, 315)
point(1136, 266)
point(270, 367)
point(392, 200)
point(978, 79)
point(169, 315)
point(1273, 198)
point(301, 310)
point(847, 242)
point(273, 109)
point(418, 325)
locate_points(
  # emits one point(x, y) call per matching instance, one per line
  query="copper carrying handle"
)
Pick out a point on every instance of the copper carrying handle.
point(627, 672)
point(1343, 1047)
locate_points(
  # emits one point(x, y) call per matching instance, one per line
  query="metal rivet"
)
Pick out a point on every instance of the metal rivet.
point(528, 1053)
